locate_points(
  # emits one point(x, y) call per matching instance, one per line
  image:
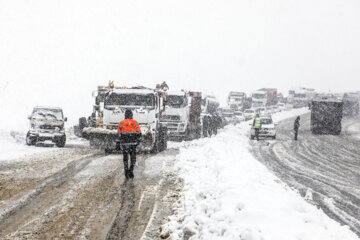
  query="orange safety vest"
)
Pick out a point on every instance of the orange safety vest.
point(128, 125)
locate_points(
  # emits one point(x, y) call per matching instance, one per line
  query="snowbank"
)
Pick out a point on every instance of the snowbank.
point(228, 194)
point(13, 146)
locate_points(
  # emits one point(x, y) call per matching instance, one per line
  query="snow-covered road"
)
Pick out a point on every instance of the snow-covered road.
point(325, 169)
point(79, 193)
point(229, 194)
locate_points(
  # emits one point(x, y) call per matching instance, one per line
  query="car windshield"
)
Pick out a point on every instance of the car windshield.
point(176, 101)
point(238, 113)
point(132, 100)
point(300, 95)
point(228, 114)
point(266, 121)
point(249, 111)
point(47, 114)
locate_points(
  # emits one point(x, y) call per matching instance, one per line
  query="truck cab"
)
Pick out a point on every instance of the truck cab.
point(147, 106)
point(259, 99)
point(177, 114)
point(46, 127)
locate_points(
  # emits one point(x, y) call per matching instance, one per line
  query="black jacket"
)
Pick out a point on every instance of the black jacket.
point(296, 124)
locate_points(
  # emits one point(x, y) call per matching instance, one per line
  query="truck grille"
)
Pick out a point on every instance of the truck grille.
point(48, 127)
point(170, 118)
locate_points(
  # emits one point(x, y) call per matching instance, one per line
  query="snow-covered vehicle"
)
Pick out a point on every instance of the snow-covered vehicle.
point(182, 115)
point(229, 115)
point(236, 100)
point(147, 106)
point(281, 106)
point(46, 127)
point(326, 115)
point(249, 114)
point(209, 118)
point(351, 106)
point(259, 99)
point(239, 116)
point(267, 129)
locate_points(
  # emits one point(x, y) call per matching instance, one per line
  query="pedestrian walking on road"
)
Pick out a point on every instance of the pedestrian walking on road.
point(257, 126)
point(129, 134)
point(296, 127)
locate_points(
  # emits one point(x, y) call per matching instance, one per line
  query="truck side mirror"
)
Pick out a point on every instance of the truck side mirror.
point(65, 119)
point(29, 117)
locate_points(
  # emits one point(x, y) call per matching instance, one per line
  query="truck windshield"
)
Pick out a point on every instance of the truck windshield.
point(300, 95)
point(130, 100)
point(258, 95)
point(47, 114)
point(176, 101)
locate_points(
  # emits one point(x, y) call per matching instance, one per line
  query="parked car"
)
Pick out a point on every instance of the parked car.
point(239, 116)
point(249, 114)
point(281, 106)
point(228, 115)
point(46, 127)
point(267, 129)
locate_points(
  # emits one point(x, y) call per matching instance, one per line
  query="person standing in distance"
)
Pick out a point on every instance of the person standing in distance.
point(296, 127)
point(257, 126)
point(129, 132)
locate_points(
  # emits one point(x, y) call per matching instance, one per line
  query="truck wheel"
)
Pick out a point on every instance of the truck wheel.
point(61, 142)
point(30, 141)
point(82, 123)
point(165, 138)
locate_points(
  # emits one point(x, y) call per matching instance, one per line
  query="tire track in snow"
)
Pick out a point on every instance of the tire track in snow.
point(326, 166)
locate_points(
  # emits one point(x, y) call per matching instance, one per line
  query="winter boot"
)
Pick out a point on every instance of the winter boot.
point(127, 174)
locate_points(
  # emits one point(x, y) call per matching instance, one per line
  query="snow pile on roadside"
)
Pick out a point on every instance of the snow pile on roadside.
point(13, 146)
point(228, 194)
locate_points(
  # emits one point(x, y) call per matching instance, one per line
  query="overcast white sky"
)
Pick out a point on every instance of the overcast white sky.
point(57, 52)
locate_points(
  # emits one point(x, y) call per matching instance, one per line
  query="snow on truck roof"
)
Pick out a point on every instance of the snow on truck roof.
point(175, 93)
point(133, 91)
point(45, 107)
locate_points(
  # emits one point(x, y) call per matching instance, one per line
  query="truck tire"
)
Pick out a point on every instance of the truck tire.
point(30, 141)
point(61, 142)
point(82, 123)
point(162, 139)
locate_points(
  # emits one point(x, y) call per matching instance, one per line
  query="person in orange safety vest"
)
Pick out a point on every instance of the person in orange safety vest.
point(130, 132)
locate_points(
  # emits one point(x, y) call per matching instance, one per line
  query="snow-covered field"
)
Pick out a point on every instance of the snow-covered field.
point(228, 194)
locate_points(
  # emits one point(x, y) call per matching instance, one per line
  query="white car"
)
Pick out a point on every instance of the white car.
point(249, 114)
point(281, 106)
point(267, 129)
point(228, 115)
point(239, 116)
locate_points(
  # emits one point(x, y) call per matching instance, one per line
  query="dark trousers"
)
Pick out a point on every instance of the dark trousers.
point(257, 130)
point(296, 133)
point(132, 152)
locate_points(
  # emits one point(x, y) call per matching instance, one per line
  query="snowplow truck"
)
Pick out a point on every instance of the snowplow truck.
point(326, 116)
point(182, 115)
point(147, 106)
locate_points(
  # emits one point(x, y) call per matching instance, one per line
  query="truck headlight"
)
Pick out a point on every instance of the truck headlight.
point(181, 126)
